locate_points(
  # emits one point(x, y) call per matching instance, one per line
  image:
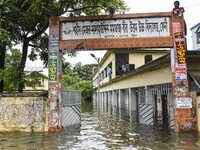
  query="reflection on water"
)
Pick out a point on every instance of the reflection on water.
point(102, 131)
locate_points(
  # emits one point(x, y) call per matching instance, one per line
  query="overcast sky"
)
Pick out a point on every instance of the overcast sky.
point(191, 15)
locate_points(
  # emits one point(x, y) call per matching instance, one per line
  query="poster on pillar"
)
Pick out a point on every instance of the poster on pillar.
point(181, 73)
point(53, 57)
point(180, 48)
point(184, 102)
point(53, 70)
point(180, 56)
point(53, 46)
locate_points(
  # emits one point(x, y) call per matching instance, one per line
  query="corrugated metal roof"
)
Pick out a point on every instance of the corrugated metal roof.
point(195, 74)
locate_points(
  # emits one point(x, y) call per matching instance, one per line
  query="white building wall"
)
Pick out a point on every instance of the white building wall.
point(195, 29)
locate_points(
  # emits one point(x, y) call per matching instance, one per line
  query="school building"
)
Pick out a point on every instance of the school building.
point(142, 82)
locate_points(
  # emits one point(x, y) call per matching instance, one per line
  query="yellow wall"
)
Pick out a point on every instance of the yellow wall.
point(23, 114)
point(135, 57)
point(103, 66)
point(43, 88)
point(138, 58)
point(162, 75)
point(113, 65)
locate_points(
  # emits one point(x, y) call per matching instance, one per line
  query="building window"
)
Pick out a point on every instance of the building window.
point(148, 58)
point(122, 63)
point(198, 37)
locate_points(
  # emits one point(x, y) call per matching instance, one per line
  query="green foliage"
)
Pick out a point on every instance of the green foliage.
point(86, 88)
point(33, 79)
point(73, 82)
point(68, 81)
point(29, 19)
point(84, 72)
point(78, 78)
point(25, 22)
point(39, 47)
point(9, 74)
point(13, 58)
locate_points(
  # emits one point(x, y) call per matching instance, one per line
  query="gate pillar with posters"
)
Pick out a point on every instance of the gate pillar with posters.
point(55, 78)
point(122, 31)
point(184, 102)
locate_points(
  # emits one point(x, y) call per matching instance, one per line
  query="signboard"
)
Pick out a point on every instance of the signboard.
point(53, 53)
point(180, 57)
point(184, 102)
point(53, 70)
point(180, 47)
point(119, 28)
point(181, 73)
point(53, 46)
point(176, 27)
point(53, 57)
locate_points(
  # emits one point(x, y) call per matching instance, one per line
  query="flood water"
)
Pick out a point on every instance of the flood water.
point(101, 131)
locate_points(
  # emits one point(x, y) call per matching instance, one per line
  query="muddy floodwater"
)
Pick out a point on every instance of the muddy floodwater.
point(101, 131)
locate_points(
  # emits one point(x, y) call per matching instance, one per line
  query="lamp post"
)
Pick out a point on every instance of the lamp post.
point(98, 92)
point(112, 10)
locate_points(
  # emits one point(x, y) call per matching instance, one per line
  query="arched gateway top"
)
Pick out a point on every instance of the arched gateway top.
point(126, 31)
point(142, 30)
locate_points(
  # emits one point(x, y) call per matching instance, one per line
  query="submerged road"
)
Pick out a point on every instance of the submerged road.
point(102, 131)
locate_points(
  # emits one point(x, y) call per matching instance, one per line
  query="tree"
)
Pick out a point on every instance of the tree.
point(86, 87)
point(73, 82)
point(78, 78)
point(2, 62)
point(31, 19)
point(84, 72)
point(9, 73)
point(33, 79)
point(69, 80)
point(5, 36)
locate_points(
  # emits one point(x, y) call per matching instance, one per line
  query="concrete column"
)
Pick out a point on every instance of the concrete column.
point(55, 78)
point(133, 105)
point(121, 98)
point(121, 103)
point(146, 96)
point(114, 98)
point(184, 118)
point(101, 101)
point(106, 101)
point(132, 100)
point(115, 101)
point(94, 101)
point(126, 99)
point(110, 102)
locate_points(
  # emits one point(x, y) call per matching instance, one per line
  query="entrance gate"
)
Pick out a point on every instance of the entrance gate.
point(146, 114)
point(124, 31)
point(71, 107)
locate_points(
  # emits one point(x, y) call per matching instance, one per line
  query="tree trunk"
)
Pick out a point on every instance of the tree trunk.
point(20, 83)
point(2, 61)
